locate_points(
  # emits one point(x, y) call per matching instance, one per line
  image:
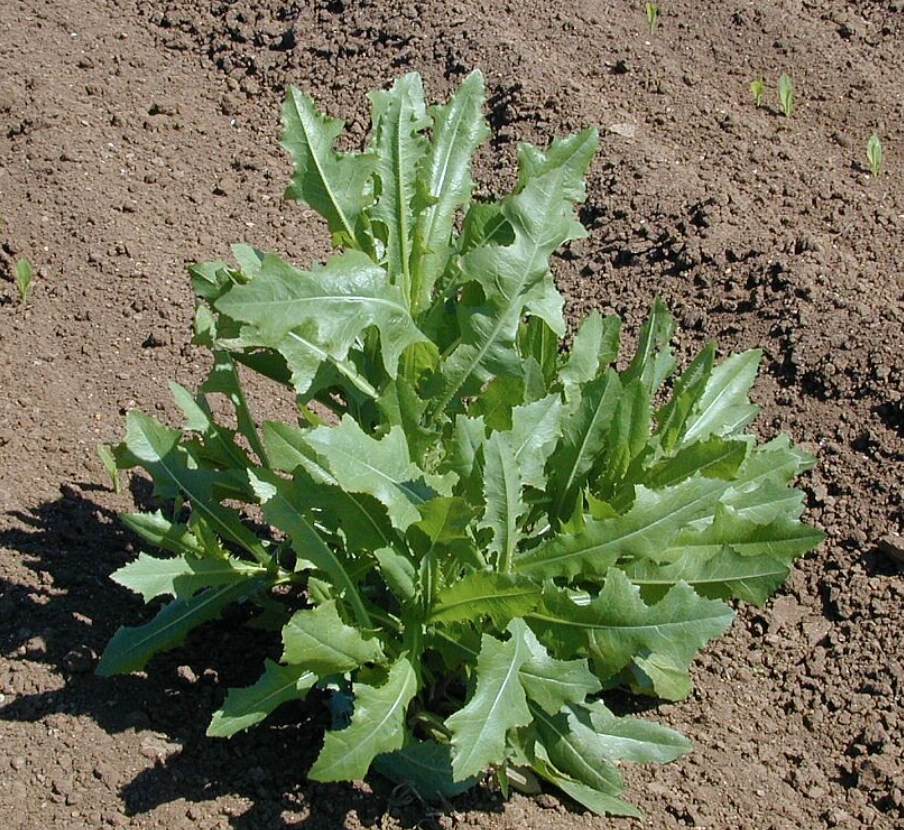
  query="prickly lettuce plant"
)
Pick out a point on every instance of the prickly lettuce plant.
point(467, 535)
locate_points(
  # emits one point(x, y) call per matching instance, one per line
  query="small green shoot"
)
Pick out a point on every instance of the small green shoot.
point(24, 275)
point(786, 94)
point(874, 154)
point(109, 461)
point(757, 90)
point(652, 11)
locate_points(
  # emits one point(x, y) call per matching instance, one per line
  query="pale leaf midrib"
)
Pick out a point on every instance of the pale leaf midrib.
point(320, 172)
point(376, 728)
point(258, 701)
point(496, 702)
point(595, 548)
point(592, 626)
point(496, 595)
point(191, 611)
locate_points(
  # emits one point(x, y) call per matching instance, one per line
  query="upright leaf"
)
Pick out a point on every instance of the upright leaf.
point(653, 361)
point(399, 573)
point(224, 379)
point(584, 432)
point(464, 455)
point(217, 444)
point(672, 417)
point(401, 406)
point(377, 726)
point(572, 155)
point(538, 342)
point(445, 176)
point(497, 705)
point(284, 508)
point(399, 117)
point(595, 347)
point(496, 402)
point(628, 435)
point(724, 408)
point(535, 431)
point(510, 276)
point(504, 505)
point(548, 304)
point(334, 184)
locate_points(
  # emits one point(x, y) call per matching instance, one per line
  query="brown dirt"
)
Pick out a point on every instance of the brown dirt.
point(136, 135)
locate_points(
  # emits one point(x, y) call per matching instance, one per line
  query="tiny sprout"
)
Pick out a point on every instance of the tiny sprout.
point(24, 275)
point(109, 461)
point(652, 11)
point(757, 89)
point(874, 154)
point(786, 94)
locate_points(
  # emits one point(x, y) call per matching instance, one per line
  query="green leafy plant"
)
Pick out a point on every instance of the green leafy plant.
point(874, 154)
point(467, 535)
point(105, 454)
point(786, 94)
point(652, 12)
point(757, 90)
point(24, 276)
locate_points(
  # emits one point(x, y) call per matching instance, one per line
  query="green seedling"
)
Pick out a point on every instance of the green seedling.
point(757, 90)
point(109, 461)
point(786, 94)
point(487, 530)
point(24, 274)
point(652, 11)
point(874, 154)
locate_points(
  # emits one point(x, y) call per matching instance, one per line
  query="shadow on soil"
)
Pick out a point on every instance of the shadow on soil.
point(73, 545)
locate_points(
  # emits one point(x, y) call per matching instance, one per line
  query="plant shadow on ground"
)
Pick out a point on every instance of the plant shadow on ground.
point(72, 545)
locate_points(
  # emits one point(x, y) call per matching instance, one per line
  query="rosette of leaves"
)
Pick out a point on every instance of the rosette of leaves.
point(487, 532)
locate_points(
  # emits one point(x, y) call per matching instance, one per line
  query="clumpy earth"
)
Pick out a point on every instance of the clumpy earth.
point(138, 135)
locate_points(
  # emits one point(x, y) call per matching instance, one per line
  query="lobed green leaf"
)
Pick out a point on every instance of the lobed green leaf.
point(132, 647)
point(497, 705)
point(243, 708)
point(335, 184)
point(377, 727)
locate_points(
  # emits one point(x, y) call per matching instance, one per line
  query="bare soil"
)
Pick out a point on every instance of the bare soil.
point(138, 135)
